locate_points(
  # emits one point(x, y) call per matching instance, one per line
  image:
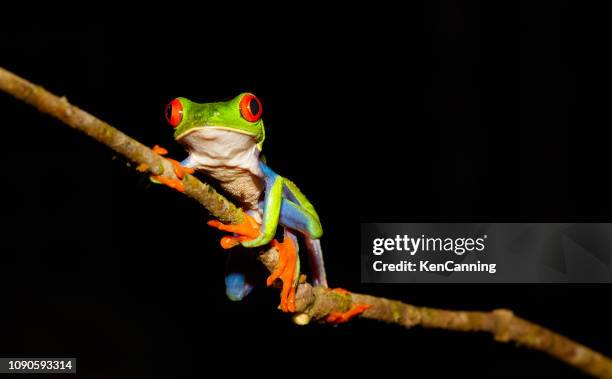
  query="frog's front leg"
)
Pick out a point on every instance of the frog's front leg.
point(273, 200)
point(248, 233)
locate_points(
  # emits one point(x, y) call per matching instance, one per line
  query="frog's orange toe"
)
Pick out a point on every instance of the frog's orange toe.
point(285, 270)
point(228, 242)
point(216, 224)
point(159, 150)
point(179, 171)
point(341, 317)
point(172, 183)
point(246, 230)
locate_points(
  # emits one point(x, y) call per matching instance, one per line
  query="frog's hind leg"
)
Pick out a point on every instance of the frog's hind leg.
point(315, 260)
point(301, 219)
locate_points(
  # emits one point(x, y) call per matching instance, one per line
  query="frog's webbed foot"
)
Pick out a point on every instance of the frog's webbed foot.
point(285, 270)
point(247, 230)
point(342, 317)
point(179, 170)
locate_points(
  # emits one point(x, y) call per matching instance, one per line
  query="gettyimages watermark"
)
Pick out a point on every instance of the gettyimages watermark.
point(486, 253)
point(404, 244)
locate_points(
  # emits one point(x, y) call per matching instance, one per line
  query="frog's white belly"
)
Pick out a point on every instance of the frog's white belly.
point(231, 158)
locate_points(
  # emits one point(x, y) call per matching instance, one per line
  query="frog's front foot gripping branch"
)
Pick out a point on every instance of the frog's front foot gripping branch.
point(247, 230)
point(179, 170)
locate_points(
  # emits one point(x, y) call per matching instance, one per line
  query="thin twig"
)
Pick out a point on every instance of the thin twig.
point(60, 108)
point(315, 303)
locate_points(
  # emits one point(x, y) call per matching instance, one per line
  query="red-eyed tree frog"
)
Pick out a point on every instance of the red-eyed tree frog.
point(224, 141)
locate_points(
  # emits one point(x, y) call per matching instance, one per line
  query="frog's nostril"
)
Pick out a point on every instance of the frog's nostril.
point(174, 113)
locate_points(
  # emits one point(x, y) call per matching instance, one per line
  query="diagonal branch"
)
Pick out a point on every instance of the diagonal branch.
point(315, 303)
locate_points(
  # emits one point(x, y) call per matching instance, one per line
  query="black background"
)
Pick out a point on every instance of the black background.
point(438, 112)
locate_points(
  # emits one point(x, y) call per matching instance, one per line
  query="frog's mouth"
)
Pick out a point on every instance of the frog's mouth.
point(213, 127)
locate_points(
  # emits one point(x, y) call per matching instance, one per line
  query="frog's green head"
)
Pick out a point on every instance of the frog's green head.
point(242, 115)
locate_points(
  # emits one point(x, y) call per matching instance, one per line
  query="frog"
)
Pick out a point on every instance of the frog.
point(224, 141)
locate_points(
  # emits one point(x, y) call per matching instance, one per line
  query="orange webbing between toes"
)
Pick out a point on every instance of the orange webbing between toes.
point(246, 230)
point(179, 171)
point(285, 270)
point(340, 317)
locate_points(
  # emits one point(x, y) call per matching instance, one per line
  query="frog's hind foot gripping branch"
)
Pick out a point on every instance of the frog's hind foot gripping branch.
point(286, 271)
point(342, 317)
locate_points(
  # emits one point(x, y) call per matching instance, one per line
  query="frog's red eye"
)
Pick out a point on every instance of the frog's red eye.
point(174, 112)
point(250, 107)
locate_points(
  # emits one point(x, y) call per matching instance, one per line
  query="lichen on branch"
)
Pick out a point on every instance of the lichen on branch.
point(314, 303)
